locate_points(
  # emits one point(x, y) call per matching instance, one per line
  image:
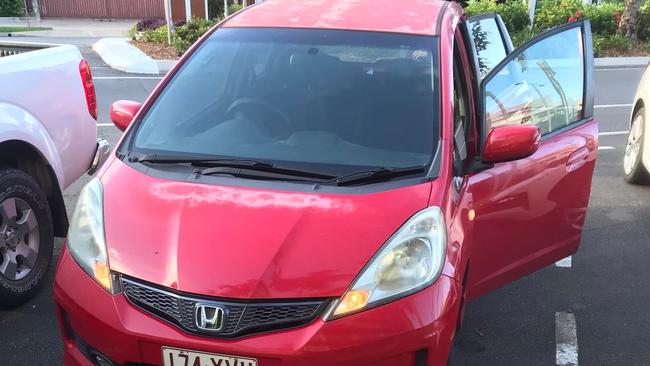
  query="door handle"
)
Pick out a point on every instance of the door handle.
point(577, 159)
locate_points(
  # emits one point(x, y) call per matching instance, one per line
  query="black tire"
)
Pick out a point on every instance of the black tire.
point(17, 186)
point(638, 173)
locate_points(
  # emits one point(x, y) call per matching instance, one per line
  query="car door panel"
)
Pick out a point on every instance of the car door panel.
point(530, 212)
point(537, 193)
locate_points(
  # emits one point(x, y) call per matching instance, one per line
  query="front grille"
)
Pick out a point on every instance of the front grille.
point(240, 317)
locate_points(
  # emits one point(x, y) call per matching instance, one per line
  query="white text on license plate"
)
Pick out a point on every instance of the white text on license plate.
point(179, 357)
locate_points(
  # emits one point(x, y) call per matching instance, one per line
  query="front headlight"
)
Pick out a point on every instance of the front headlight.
point(411, 260)
point(86, 240)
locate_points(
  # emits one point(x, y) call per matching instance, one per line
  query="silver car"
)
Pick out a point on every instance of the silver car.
point(636, 163)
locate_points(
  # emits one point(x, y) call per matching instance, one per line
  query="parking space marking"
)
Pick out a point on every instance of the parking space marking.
point(565, 263)
point(614, 133)
point(606, 148)
point(604, 106)
point(566, 340)
point(105, 125)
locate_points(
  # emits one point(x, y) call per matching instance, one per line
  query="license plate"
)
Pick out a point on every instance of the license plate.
point(181, 357)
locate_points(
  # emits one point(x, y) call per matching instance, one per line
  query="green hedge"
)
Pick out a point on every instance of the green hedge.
point(552, 13)
point(233, 8)
point(12, 8)
point(612, 43)
point(644, 25)
point(513, 12)
point(184, 35)
point(603, 17)
point(187, 34)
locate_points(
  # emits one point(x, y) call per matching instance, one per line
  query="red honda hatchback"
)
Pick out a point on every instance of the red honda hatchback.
point(327, 183)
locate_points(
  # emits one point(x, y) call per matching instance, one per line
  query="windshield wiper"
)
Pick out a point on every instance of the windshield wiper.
point(253, 168)
point(376, 175)
point(201, 162)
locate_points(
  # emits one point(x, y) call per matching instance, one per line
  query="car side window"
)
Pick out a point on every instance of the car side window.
point(489, 42)
point(542, 85)
point(461, 113)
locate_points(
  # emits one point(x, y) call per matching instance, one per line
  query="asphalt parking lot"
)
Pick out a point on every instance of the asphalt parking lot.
point(600, 297)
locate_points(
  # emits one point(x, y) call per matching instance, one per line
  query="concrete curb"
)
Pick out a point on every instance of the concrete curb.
point(119, 54)
point(165, 65)
point(621, 62)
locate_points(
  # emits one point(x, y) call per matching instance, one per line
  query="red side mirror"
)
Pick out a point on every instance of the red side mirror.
point(123, 112)
point(508, 143)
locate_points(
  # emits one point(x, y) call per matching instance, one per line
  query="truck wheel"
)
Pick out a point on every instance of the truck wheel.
point(26, 237)
point(634, 170)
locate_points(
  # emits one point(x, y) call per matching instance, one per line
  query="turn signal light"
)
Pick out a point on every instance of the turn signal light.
point(102, 275)
point(352, 301)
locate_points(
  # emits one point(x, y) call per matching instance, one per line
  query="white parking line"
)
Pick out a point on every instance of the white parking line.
point(614, 133)
point(603, 106)
point(105, 125)
point(566, 340)
point(566, 262)
point(606, 148)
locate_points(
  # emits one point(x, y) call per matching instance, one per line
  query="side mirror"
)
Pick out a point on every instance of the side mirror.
point(123, 112)
point(508, 143)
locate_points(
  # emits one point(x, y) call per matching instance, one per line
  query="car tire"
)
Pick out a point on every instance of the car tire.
point(635, 172)
point(26, 237)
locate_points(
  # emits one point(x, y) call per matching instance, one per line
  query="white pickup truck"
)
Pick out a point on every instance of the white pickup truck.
point(48, 139)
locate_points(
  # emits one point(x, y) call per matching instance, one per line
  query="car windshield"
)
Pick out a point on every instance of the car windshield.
point(328, 98)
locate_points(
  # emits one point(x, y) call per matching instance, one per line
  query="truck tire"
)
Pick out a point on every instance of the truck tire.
point(635, 172)
point(26, 237)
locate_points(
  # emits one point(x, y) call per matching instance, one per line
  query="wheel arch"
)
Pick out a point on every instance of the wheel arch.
point(637, 105)
point(24, 156)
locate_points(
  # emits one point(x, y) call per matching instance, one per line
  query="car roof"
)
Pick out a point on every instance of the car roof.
point(399, 16)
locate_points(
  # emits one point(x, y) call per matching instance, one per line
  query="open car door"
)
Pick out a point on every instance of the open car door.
point(530, 212)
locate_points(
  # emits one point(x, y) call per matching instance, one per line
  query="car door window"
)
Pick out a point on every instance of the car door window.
point(491, 41)
point(461, 113)
point(540, 85)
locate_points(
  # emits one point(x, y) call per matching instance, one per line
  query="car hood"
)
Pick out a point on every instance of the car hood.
point(246, 243)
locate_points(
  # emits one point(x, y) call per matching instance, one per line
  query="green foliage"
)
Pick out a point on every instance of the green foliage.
point(234, 8)
point(603, 17)
point(523, 36)
point(12, 8)
point(615, 43)
point(475, 7)
point(551, 13)
point(187, 34)
point(133, 32)
point(604, 20)
point(515, 15)
point(644, 23)
point(22, 29)
point(215, 9)
point(158, 35)
point(513, 12)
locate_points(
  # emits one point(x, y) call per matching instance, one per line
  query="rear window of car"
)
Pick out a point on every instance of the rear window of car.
point(326, 97)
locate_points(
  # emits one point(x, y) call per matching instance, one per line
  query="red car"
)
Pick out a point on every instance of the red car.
point(328, 183)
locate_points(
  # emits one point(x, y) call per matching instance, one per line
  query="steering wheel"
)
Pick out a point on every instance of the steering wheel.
point(241, 103)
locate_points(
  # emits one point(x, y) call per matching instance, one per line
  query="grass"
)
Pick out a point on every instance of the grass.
point(22, 29)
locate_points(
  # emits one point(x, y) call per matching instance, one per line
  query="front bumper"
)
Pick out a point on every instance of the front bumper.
point(102, 151)
point(414, 331)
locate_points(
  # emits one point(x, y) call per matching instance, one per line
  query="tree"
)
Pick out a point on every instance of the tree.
point(629, 25)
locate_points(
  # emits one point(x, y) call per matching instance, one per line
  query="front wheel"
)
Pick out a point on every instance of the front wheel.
point(26, 237)
point(633, 168)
